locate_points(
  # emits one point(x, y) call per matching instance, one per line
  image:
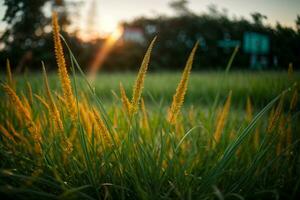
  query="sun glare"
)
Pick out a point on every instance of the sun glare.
point(117, 33)
point(104, 51)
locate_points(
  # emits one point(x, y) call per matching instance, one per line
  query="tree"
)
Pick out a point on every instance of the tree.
point(180, 7)
point(25, 20)
point(258, 18)
point(298, 23)
point(26, 35)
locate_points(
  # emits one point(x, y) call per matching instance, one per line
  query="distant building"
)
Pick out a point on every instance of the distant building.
point(133, 34)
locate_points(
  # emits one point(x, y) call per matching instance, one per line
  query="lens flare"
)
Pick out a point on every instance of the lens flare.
point(104, 51)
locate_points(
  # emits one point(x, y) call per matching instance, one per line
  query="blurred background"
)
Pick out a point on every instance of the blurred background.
point(113, 35)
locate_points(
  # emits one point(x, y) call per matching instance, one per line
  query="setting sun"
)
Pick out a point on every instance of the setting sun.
point(103, 51)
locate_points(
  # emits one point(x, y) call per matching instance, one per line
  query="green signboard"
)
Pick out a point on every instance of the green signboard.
point(256, 43)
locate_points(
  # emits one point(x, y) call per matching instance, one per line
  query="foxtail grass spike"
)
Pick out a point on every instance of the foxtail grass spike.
point(20, 108)
point(139, 83)
point(222, 118)
point(178, 97)
point(62, 70)
point(126, 103)
point(17, 102)
point(102, 128)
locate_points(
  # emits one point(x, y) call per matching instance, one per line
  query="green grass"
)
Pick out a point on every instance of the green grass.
point(202, 89)
point(163, 162)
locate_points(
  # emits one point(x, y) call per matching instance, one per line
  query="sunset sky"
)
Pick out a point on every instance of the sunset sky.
point(109, 13)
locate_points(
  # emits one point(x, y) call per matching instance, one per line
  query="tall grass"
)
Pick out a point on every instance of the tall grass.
point(66, 143)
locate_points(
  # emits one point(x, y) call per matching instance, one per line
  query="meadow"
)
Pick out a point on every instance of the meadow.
point(202, 135)
point(159, 87)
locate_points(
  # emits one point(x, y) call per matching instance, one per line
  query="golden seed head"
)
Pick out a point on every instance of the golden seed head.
point(21, 109)
point(15, 100)
point(62, 70)
point(126, 103)
point(178, 97)
point(102, 128)
point(222, 118)
point(139, 83)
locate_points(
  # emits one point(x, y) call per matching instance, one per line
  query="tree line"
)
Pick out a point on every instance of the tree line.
point(27, 39)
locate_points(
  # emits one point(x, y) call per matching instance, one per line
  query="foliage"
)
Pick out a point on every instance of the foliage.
point(176, 35)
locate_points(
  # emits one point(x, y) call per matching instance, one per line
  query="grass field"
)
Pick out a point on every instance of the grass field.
point(202, 89)
point(208, 135)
